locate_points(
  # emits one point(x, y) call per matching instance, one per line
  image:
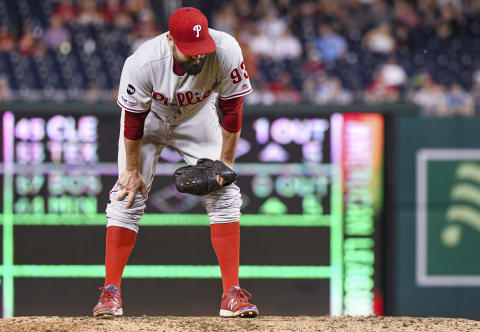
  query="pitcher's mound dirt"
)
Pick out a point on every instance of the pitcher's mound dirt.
point(265, 323)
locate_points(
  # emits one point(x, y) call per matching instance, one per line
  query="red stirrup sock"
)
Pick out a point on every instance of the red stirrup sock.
point(120, 242)
point(226, 243)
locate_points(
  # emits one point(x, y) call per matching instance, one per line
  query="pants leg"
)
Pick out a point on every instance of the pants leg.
point(152, 144)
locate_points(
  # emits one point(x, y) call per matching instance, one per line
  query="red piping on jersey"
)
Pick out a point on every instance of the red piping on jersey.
point(235, 95)
point(232, 110)
point(134, 123)
point(177, 70)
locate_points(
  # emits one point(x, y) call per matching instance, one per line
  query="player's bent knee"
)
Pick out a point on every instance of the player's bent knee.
point(119, 215)
point(223, 205)
point(122, 218)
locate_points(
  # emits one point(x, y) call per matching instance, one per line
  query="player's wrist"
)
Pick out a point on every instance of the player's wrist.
point(227, 162)
point(133, 170)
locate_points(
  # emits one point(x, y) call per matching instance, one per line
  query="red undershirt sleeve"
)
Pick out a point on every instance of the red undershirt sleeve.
point(232, 110)
point(133, 124)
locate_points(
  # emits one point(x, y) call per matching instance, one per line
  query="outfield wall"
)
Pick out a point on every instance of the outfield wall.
point(313, 183)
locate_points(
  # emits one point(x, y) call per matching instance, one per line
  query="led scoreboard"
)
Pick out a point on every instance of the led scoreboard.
point(307, 183)
point(47, 153)
point(64, 166)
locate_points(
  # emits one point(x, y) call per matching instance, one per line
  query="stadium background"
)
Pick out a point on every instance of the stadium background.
point(404, 71)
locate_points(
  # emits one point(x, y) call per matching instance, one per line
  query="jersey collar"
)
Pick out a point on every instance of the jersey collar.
point(177, 70)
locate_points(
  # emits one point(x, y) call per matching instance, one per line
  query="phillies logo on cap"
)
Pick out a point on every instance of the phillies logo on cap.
point(197, 29)
point(182, 23)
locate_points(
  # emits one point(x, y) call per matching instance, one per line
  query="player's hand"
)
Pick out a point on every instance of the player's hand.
point(130, 182)
point(220, 180)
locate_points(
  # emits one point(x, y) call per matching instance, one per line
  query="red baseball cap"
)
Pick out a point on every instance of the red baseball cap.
point(189, 29)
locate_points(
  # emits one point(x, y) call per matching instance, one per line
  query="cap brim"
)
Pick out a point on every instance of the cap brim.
point(197, 48)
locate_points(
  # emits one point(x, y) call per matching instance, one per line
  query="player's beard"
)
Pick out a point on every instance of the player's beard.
point(192, 68)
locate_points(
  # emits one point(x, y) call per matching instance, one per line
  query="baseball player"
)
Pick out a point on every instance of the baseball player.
point(168, 90)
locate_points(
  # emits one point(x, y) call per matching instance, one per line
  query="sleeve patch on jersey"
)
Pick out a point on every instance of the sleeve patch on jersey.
point(128, 101)
point(130, 89)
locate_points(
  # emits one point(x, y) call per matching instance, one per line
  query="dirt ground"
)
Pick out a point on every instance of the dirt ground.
point(265, 323)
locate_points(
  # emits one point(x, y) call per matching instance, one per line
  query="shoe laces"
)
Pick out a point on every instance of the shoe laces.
point(107, 294)
point(243, 294)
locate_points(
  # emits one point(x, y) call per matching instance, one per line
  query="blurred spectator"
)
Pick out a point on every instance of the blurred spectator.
point(136, 6)
point(272, 24)
point(451, 10)
point(427, 9)
point(455, 3)
point(88, 13)
point(40, 52)
point(392, 73)
point(260, 95)
point(284, 90)
point(380, 39)
point(145, 28)
point(405, 14)
point(27, 43)
point(472, 7)
point(379, 13)
point(66, 10)
point(225, 19)
point(314, 65)
point(5, 92)
point(250, 58)
point(330, 44)
point(56, 34)
point(431, 97)
point(443, 30)
point(112, 10)
point(260, 43)
point(458, 101)
point(243, 11)
point(306, 9)
point(328, 90)
point(378, 91)
point(7, 41)
point(286, 46)
point(403, 40)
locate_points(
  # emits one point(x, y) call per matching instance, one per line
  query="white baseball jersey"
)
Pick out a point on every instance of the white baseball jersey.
point(149, 83)
point(183, 117)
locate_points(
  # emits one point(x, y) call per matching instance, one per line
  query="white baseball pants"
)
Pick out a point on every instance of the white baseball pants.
point(199, 136)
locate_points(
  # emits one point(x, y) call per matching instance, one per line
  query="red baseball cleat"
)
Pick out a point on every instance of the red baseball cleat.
point(235, 304)
point(110, 303)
